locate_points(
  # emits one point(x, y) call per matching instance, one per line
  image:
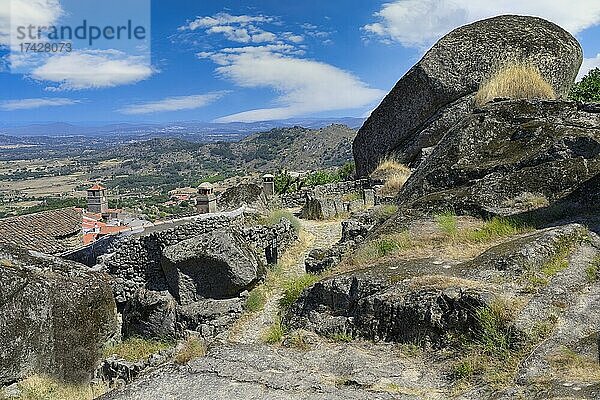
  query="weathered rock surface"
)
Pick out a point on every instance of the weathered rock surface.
point(150, 314)
point(319, 260)
point(216, 265)
point(436, 93)
point(55, 317)
point(381, 304)
point(250, 195)
point(508, 158)
point(325, 371)
point(210, 317)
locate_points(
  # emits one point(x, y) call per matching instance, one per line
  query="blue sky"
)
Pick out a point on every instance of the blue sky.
point(222, 61)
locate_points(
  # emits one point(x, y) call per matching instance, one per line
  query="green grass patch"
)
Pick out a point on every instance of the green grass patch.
point(496, 228)
point(275, 333)
point(342, 337)
point(293, 287)
point(591, 271)
point(386, 246)
point(491, 357)
point(256, 300)
point(555, 266)
point(136, 349)
point(447, 222)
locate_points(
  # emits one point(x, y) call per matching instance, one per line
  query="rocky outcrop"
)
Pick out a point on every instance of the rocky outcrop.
point(55, 317)
point(216, 265)
point(380, 304)
point(319, 260)
point(509, 158)
point(437, 92)
point(250, 195)
point(425, 301)
point(150, 314)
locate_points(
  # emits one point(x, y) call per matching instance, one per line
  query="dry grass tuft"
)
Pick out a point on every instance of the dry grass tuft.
point(515, 81)
point(44, 388)
point(394, 175)
point(193, 347)
point(136, 349)
point(570, 365)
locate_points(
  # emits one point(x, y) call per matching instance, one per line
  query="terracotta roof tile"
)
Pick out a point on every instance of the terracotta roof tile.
point(50, 232)
point(97, 186)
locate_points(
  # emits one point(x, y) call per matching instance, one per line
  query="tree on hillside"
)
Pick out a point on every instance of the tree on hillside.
point(588, 89)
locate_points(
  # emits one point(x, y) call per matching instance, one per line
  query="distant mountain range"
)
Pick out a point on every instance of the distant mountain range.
point(212, 131)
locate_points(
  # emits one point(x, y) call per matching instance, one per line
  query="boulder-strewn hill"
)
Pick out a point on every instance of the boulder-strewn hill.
point(290, 148)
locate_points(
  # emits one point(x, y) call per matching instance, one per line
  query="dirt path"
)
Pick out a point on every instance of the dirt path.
point(314, 234)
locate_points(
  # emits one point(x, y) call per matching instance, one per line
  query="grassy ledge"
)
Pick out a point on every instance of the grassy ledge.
point(136, 349)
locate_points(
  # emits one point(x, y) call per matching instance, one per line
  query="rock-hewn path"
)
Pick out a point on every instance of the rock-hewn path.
point(315, 234)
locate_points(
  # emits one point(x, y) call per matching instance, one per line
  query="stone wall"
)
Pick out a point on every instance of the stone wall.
point(294, 199)
point(340, 188)
point(89, 254)
point(135, 261)
point(299, 198)
point(338, 199)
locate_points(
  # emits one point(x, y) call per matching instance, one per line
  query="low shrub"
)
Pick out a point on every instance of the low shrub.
point(588, 89)
point(275, 217)
point(515, 81)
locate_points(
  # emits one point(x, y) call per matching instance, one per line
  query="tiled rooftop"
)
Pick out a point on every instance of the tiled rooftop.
point(50, 232)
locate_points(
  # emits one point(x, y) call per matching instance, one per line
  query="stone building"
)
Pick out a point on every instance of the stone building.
point(207, 201)
point(97, 201)
point(268, 185)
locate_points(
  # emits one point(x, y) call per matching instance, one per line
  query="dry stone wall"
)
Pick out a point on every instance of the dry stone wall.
point(135, 261)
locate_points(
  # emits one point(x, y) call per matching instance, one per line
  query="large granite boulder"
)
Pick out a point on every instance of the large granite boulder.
point(150, 314)
point(215, 265)
point(437, 92)
point(508, 158)
point(55, 317)
point(250, 195)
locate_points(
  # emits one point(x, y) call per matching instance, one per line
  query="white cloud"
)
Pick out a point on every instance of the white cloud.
point(25, 13)
point(292, 37)
point(173, 104)
point(418, 23)
point(235, 28)
point(231, 33)
point(225, 19)
point(28, 104)
point(92, 69)
point(588, 65)
point(304, 86)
